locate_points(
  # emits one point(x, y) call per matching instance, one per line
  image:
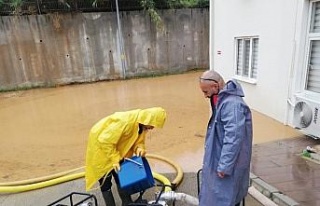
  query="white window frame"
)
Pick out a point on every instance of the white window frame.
point(242, 77)
point(310, 36)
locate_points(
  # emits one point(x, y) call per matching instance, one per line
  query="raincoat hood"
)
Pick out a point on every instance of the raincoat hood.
point(233, 87)
point(155, 116)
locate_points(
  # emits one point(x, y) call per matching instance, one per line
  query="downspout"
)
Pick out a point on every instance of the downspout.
point(39, 11)
point(289, 92)
point(211, 42)
point(120, 40)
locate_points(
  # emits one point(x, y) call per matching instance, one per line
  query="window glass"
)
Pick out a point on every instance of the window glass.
point(315, 20)
point(313, 75)
point(312, 81)
point(247, 57)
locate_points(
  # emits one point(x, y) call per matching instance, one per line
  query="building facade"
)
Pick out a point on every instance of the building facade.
point(273, 48)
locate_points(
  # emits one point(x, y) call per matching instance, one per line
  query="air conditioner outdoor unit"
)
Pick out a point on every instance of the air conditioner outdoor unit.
point(306, 116)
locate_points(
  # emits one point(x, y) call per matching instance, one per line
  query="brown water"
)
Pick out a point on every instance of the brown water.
point(44, 131)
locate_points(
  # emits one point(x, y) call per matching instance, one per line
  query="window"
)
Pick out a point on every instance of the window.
point(246, 58)
point(312, 82)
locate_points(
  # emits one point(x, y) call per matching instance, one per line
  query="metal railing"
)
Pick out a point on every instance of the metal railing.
point(31, 7)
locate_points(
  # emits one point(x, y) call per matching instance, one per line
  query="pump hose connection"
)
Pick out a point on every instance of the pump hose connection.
point(46, 181)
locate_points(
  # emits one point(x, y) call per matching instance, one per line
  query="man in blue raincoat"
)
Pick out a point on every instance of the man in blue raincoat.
point(228, 143)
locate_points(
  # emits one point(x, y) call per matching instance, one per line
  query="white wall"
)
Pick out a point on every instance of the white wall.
point(277, 24)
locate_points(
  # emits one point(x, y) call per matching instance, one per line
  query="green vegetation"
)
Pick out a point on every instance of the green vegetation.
point(305, 153)
point(183, 3)
point(149, 6)
point(16, 4)
point(1, 3)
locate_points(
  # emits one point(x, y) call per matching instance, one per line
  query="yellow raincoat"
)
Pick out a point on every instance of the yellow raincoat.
point(116, 137)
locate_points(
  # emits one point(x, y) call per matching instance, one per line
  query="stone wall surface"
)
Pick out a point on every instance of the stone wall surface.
point(55, 49)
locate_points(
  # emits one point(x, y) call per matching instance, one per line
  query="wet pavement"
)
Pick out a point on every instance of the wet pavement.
point(279, 164)
point(52, 194)
point(278, 171)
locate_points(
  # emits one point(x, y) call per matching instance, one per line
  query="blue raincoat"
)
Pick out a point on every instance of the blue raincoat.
point(228, 148)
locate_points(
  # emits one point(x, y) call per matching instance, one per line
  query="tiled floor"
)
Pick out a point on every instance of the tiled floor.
point(280, 164)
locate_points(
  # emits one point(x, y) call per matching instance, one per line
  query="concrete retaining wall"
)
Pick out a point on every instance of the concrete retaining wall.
point(46, 50)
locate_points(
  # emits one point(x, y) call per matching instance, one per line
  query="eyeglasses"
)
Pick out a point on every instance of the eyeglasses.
point(206, 79)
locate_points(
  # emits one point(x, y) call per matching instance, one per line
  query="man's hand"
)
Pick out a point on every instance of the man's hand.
point(116, 167)
point(140, 152)
point(220, 174)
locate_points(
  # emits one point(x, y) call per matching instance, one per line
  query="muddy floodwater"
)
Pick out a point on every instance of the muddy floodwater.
point(45, 131)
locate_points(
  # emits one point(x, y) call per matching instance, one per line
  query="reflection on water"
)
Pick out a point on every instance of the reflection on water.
point(44, 131)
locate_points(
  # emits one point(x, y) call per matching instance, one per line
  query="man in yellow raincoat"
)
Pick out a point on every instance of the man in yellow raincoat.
point(113, 138)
